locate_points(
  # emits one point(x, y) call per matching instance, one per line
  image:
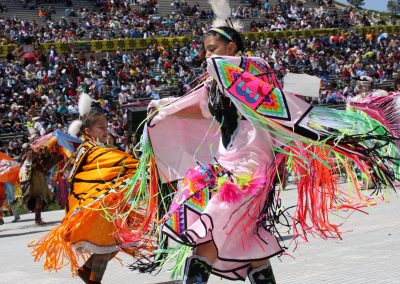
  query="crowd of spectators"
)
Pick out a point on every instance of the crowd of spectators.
point(39, 94)
point(294, 15)
point(90, 25)
point(340, 61)
point(116, 20)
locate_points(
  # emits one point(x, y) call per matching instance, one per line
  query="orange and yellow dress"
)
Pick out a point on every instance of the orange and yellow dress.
point(100, 217)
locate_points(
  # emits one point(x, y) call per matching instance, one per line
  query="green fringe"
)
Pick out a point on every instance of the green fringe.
point(335, 126)
point(176, 255)
point(139, 183)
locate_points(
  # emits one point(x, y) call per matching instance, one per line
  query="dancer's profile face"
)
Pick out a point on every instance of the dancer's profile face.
point(98, 130)
point(214, 45)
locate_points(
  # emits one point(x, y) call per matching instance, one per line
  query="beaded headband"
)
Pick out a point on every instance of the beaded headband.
point(222, 33)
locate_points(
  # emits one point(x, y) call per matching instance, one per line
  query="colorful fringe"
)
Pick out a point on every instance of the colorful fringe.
point(57, 142)
point(57, 247)
point(318, 143)
point(141, 192)
point(320, 147)
point(102, 194)
point(384, 109)
point(9, 169)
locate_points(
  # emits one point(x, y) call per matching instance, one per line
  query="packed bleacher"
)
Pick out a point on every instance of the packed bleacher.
point(39, 92)
point(125, 20)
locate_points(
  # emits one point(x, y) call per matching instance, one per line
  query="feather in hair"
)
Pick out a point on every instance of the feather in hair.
point(222, 12)
point(221, 9)
point(75, 127)
point(219, 23)
point(237, 25)
point(85, 103)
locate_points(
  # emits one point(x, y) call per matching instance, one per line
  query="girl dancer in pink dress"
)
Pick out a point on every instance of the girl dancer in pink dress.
point(226, 206)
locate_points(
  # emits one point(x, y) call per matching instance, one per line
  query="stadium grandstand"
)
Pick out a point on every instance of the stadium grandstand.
point(125, 53)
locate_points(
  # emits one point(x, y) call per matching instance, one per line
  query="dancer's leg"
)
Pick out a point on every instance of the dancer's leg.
point(2, 200)
point(197, 270)
point(1, 216)
point(84, 271)
point(261, 272)
point(14, 209)
point(38, 211)
point(198, 267)
point(207, 250)
point(98, 265)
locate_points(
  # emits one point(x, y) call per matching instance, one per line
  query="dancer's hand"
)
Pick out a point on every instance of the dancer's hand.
point(151, 116)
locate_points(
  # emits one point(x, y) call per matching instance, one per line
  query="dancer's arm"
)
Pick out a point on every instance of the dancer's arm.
point(169, 106)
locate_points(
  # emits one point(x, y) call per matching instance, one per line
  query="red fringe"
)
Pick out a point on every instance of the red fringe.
point(140, 226)
point(319, 192)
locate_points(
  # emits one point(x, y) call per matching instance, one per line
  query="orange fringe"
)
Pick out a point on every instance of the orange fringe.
point(319, 193)
point(144, 229)
point(57, 247)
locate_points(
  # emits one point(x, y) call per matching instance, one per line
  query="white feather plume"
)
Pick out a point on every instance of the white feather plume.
point(222, 12)
point(75, 127)
point(85, 103)
point(221, 9)
point(219, 23)
point(237, 25)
